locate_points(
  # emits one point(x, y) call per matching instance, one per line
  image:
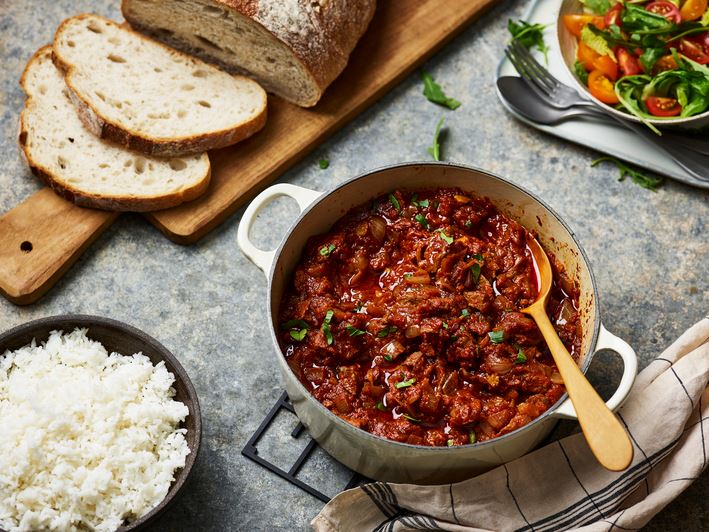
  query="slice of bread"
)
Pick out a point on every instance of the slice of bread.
point(150, 98)
point(89, 171)
point(293, 48)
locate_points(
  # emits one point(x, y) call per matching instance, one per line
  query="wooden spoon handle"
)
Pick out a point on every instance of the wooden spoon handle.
point(606, 437)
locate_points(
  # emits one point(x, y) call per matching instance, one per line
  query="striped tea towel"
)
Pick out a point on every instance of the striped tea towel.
point(561, 486)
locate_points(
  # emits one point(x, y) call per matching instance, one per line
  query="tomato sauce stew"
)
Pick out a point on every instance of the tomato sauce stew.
point(404, 320)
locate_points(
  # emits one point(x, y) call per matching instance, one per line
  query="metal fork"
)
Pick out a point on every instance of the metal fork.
point(546, 86)
point(561, 96)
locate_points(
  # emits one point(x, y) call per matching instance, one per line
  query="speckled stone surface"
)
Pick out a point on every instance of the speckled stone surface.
point(207, 302)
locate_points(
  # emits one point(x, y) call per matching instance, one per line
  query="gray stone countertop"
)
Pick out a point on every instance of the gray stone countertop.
point(206, 302)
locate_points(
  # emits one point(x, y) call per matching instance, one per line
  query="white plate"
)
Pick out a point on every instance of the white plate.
point(606, 138)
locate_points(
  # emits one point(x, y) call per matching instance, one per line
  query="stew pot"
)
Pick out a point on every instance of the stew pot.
point(377, 457)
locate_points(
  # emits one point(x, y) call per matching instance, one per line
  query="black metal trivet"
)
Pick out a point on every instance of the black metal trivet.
point(250, 451)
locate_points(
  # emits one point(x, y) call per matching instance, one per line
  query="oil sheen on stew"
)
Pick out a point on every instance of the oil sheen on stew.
point(404, 320)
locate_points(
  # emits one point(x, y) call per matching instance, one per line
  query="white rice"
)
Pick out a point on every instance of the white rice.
point(87, 439)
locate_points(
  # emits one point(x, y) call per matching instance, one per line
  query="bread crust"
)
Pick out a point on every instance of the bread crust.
point(96, 201)
point(323, 48)
point(104, 128)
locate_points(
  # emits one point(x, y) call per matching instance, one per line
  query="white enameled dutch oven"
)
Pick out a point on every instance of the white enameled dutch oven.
point(383, 459)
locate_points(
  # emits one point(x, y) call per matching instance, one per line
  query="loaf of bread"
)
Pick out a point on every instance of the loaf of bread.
point(147, 97)
point(87, 170)
point(293, 48)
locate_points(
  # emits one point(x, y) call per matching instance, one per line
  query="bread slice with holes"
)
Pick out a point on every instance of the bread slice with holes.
point(147, 97)
point(87, 170)
point(293, 48)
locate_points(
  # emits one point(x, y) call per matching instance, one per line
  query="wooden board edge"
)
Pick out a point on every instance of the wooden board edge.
point(32, 296)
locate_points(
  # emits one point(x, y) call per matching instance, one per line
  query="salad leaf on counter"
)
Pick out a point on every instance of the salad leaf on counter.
point(650, 182)
point(324, 163)
point(529, 35)
point(435, 148)
point(434, 93)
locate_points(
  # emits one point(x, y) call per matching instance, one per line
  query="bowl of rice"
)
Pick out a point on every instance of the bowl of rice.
point(101, 426)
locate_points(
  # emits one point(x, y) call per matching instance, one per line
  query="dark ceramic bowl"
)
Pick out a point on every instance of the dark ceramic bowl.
point(126, 340)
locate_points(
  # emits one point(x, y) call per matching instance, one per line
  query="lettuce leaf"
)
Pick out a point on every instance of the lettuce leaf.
point(596, 42)
point(597, 6)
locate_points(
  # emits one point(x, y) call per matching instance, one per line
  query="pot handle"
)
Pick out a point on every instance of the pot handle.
point(263, 259)
point(606, 340)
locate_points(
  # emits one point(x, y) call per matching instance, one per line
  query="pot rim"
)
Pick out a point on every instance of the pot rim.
point(379, 439)
point(61, 321)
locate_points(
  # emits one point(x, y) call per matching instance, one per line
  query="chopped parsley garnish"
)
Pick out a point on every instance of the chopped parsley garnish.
point(529, 35)
point(421, 219)
point(380, 406)
point(405, 384)
point(388, 358)
point(326, 250)
point(435, 148)
point(496, 337)
point(434, 93)
point(648, 181)
point(395, 202)
point(298, 329)
point(475, 270)
point(419, 203)
point(465, 313)
point(359, 306)
point(386, 330)
point(468, 223)
point(324, 163)
point(473, 438)
point(521, 357)
point(478, 256)
point(299, 335)
point(294, 324)
point(326, 327)
point(445, 325)
point(447, 239)
point(408, 275)
point(407, 416)
point(354, 331)
point(451, 443)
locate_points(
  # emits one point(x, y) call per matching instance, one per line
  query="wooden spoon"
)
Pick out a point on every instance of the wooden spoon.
point(605, 435)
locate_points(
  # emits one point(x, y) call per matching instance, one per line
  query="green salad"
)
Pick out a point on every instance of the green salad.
point(646, 58)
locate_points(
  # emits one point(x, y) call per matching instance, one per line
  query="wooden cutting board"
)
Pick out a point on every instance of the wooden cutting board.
point(402, 35)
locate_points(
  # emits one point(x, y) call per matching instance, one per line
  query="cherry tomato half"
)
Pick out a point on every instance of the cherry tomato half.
point(694, 51)
point(576, 23)
point(586, 55)
point(693, 9)
point(666, 62)
point(601, 87)
point(612, 16)
point(667, 10)
point(628, 63)
point(660, 106)
point(702, 40)
point(606, 65)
